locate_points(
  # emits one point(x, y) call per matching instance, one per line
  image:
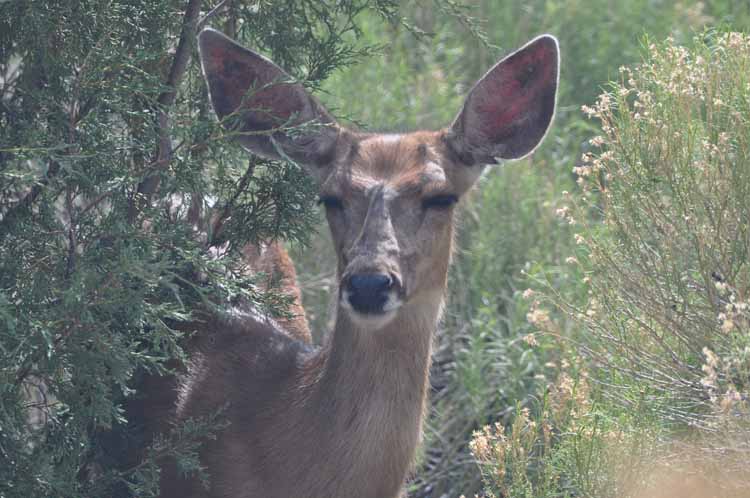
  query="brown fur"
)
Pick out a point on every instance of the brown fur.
point(155, 405)
point(341, 421)
point(344, 420)
point(273, 260)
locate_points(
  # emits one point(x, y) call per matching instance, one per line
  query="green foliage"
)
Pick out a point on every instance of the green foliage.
point(658, 401)
point(667, 313)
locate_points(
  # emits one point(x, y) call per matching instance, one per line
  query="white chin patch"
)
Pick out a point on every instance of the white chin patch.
point(372, 321)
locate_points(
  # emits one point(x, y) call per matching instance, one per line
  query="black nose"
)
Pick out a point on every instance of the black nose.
point(368, 292)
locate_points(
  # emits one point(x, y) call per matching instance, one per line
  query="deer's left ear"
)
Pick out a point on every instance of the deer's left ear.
point(256, 98)
point(509, 110)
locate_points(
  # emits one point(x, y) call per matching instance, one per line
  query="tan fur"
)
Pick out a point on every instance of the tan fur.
point(273, 260)
point(345, 420)
point(159, 400)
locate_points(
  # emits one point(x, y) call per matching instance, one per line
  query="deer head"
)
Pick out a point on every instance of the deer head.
point(389, 199)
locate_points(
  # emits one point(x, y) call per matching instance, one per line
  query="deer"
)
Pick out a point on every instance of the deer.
point(345, 419)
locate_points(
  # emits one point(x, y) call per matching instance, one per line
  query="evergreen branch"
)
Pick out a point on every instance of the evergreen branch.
point(166, 99)
point(77, 113)
point(23, 206)
point(227, 211)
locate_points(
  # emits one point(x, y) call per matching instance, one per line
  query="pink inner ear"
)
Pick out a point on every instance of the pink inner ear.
point(234, 73)
point(511, 93)
point(259, 93)
point(276, 103)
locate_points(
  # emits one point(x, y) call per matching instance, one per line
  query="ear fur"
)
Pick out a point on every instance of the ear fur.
point(508, 111)
point(255, 97)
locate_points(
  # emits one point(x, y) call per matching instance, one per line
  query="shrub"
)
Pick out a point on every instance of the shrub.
point(661, 394)
point(667, 264)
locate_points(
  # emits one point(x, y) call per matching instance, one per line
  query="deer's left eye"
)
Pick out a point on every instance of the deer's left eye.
point(439, 201)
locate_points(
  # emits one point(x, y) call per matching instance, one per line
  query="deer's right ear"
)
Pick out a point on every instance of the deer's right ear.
point(272, 114)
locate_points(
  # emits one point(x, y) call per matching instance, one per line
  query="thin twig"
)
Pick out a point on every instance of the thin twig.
point(210, 14)
point(95, 202)
point(227, 210)
point(182, 56)
point(72, 237)
point(22, 206)
point(230, 26)
point(150, 184)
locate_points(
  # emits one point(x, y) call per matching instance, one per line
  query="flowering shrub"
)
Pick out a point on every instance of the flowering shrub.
point(668, 267)
point(662, 216)
point(666, 258)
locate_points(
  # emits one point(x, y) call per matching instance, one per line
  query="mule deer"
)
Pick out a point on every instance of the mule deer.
point(344, 420)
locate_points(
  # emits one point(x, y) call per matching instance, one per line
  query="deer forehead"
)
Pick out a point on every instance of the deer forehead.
point(403, 165)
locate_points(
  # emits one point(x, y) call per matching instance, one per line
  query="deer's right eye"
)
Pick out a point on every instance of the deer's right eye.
point(331, 202)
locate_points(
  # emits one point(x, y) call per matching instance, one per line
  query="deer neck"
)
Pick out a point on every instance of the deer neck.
point(393, 359)
point(365, 398)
